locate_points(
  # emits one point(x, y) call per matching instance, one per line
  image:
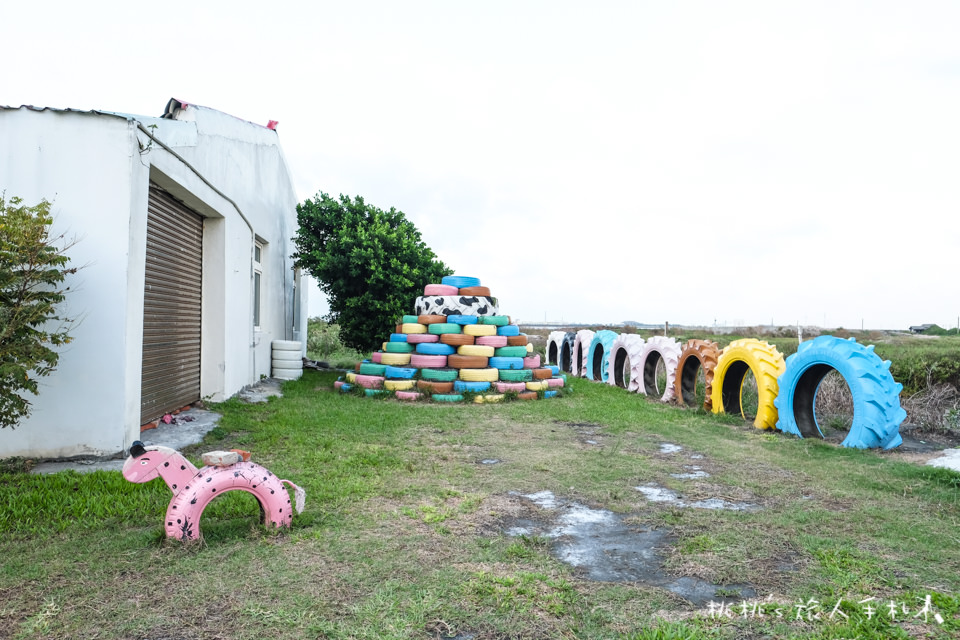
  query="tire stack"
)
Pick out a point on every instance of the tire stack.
point(286, 359)
point(457, 346)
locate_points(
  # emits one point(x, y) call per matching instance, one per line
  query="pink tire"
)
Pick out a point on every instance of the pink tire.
point(626, 346)
point(653, 349)
point(370, 382)
point(408, 395)
point(422, 361)
point(417, 338)
point(518, 387)
point(555, 382)
point(338, 384)
point(492, 341)
point(440, 290)
point(532, 362)
point(375, 357)
point(581, 349)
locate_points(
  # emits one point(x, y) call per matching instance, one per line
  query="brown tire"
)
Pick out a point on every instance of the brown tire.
point(517, 341)
point(431, 319)
point(435, 387)
point(475, 291)
point(696, 354)
point(527, 395)
point(542, 374)
point(456, 339)
point(456, 361)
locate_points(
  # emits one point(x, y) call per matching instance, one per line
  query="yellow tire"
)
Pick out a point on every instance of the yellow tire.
point(537, 385)
point(480, 375)
point(765, 363)
point(351, 377)
point(488, 398)
point(480, 329)
point(413, 327)
point(475, 350)
point(395, 358)
point(398, 385)
point(529, 348)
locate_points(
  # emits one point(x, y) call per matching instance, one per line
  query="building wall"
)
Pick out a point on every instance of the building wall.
point(97, 169)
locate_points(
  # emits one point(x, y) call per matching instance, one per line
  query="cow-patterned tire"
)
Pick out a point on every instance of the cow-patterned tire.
point(877, 413)
point(581, 345)
point(598, 356)
point(653, 350)
point(695, 356)
point(767, 365)
point(626, 347)
point(456, 306)
point(554, 344)
point(566, 352)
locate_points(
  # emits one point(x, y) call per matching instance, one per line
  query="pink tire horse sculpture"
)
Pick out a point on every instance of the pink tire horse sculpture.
point(193, 489)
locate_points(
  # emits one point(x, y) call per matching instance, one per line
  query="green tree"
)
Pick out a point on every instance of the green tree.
point(32, 271)
point(371, 263)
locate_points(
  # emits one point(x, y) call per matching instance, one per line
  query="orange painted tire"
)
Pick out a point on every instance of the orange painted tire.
point(456, 339)
point(431, 319)
point(456, 361)
point(542, 374)
point(435, 387)
point(696, 355)
point(517, 341)
point(474, 291)
point(527, 395)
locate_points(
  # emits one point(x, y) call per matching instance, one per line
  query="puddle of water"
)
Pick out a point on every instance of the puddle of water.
point(696, 456)
point(693, 474)
point(490, 461)
point(666, 447)
point(655, 493)
point(607, 549)
point(591, 442)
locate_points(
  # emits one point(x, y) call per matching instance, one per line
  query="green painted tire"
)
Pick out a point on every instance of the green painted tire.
point(499, 321)
point(447, 397)
point(516, 375)
point(510, 352)
point(372, 369)
point(439, 375)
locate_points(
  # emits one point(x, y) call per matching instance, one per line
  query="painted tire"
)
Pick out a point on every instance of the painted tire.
point(554, 343)
point(475, 386)
point(399, 373)
point(566, 351)
point(581, 345)
point(345, 387)
point(408, 319)
point(287, 374)
point(474, 291)
point(456, 361)
point(456, 305)
point(510, 352)
point(527, 395)
point(444, 327)
point(492, 341)
point(517, 341)
point(435, 349)
point(537, 385)
point(447, 397)
point(508, 330)
point(440, 290)
point(510, 387)
point(373, 392)
point(542, 374)
point(401, 359)
point(369, 382)
point(398, 337)
point(372, 369)
point(398, 347)
point(398, 385)
point(420, 338)
point(429, 319)
point(480, 330)
point(488, 398)
point(287, 356)
point(351, 377)
point(412, 327)
point(554, 369)
point(516, 375)
point(432, 386)
point(421, 361)
point(877, 413)
point(457, 339)
point(598, 355)
point(339, 384)
point(531, 362)
point(480, 375)
point(499, 362)
point(555, 382)
point(408, 395)
point(766, 364)
point(289, 364)
point(696, 355)
point(458, 319)
point(529, 348)
point(499, 321)
point(552, 393)
point(460, 281)
point(287, 345)
point(653, 350)
point(627, 346)
point(439, 375)
point(475, 350)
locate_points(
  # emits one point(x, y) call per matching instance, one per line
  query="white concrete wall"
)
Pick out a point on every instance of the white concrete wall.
point(97, 169)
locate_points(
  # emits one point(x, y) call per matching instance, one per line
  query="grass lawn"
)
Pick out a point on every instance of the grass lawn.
point(404, 532)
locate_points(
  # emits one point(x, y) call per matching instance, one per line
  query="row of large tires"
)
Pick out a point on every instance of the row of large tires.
point(786, 389)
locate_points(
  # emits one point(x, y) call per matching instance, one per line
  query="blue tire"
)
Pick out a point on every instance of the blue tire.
point(399, 373)
point(398, 337)
point(877, 413)
point(598, 355)
point(463, 385)
point(508, 330)
point(435, 349)
point(461, 320)
point(505, 362)
point(460, 281)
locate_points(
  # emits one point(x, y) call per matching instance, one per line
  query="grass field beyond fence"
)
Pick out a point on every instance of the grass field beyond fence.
point(405, 530)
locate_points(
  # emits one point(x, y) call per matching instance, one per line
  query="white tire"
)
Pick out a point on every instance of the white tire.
point(287, 345)
point(581, 348)
point(286, 364)
point(287, 374)
point(554, 344)
point(626, 346)
point(287, 356)
point(658, 347)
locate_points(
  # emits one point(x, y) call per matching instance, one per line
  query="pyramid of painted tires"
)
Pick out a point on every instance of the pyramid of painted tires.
point(456, 346)
point(786, 388)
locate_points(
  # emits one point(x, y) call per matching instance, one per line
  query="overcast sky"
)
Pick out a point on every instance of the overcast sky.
point(691, 162)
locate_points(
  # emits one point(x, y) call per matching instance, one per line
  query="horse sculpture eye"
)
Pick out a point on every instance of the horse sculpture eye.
point(143, 463)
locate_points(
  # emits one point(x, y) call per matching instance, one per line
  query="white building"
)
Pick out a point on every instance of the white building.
point(184, 228)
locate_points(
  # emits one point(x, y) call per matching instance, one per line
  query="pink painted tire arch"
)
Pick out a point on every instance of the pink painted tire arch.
point(653, 350)
point(581, 347)
point(626, 346)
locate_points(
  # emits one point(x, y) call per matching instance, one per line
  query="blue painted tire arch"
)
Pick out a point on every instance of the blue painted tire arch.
point(598, 355)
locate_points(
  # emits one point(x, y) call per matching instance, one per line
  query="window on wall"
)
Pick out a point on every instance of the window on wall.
point(257, 279)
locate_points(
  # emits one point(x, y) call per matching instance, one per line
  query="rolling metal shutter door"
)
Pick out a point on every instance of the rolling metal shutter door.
point(170, 378)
